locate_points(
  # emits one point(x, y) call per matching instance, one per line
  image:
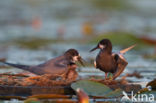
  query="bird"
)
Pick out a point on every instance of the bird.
point(59, 66)
point(108, 61)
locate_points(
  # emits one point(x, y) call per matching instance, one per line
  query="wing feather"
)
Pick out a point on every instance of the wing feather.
point(121, 64)
point(127, 49)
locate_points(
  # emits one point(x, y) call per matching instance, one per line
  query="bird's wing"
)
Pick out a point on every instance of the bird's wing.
point(53, 66)
point(20, 66)
point(127, 49)
point(121, 61)
point(121, 64)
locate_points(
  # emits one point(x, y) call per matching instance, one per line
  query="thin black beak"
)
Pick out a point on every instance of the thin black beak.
point(81, 61)
point(94, 49)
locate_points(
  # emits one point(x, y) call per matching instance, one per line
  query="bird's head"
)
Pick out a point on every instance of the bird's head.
point(74, 56)
point(104, 44)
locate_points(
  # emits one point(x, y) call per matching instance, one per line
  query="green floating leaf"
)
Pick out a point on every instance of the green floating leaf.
point(116, 93)
point(96, 89)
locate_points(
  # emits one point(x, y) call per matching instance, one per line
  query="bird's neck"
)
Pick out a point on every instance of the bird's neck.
point(69, 58)
point(107, 51)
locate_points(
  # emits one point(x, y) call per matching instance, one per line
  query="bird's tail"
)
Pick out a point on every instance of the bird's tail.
point(127, 49)
point(24, 67)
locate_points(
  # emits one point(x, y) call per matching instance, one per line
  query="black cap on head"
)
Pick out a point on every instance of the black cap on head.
point(103, 44)
point(72, 52)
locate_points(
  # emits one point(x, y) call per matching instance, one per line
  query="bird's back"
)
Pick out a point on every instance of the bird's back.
point(56, 66)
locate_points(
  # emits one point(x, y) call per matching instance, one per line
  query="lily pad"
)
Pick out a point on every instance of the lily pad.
point(93, 88)
point(115, 93)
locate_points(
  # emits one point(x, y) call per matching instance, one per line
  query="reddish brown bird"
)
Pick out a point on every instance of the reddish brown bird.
point(108, 61)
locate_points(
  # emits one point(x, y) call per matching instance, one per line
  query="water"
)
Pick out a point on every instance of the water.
point(68, 17)
point(136, 62)
point(16, 18)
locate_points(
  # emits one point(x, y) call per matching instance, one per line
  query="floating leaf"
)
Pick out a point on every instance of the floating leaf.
point(92, 88)
point(95, 89)
point(115, 93)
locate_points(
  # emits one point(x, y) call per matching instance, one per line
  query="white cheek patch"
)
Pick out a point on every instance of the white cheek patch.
point(75, 58)
point(101, 46)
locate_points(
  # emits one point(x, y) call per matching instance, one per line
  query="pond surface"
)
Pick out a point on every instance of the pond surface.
point(146, 67)
point(64, 19)
point(17, 17)
point(136, 61)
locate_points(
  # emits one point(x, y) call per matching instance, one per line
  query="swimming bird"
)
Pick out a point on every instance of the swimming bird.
point(108, 61)
point(57, 66)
